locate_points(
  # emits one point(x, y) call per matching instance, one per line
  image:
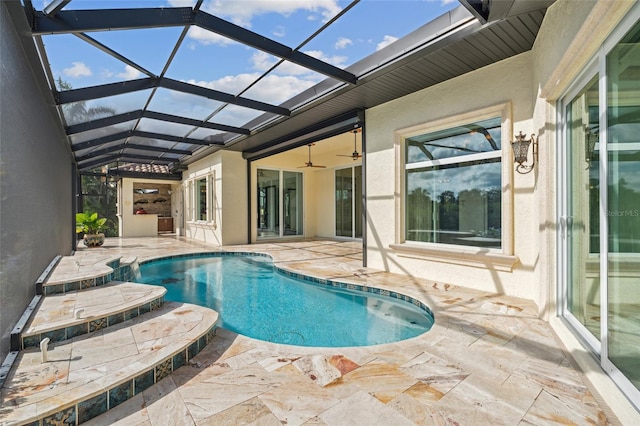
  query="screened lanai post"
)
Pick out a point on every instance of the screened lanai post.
point(363, 199)
point(249, 187)
point(75, 181)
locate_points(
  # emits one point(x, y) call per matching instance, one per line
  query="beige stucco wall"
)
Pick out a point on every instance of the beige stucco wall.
point(233, 200)
point(229, 224)
point(570, 35)
point(502, 83)
point(131, 225)
point(325, 204)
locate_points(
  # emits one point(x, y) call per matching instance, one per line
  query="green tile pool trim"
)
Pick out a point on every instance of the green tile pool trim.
point(358, 288)
point(307, 278)
point(119, 272)
point(95, 405)
point(205, 254)
point(90, 325)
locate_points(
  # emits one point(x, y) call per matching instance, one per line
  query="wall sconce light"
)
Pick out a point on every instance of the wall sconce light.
point(521, 152)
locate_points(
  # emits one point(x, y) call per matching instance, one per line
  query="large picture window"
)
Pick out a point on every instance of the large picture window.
point(453, 185)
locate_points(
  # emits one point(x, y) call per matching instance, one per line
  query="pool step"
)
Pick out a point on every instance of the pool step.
point(90, 374)
point(63, 316)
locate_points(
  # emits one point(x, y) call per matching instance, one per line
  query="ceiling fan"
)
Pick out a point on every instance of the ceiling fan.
point(355, 155)
point(309, 163)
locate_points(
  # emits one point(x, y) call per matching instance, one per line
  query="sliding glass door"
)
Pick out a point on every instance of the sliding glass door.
point(599, 219)
point(280, 208)
point(623, 205)
point(348, 196)
point(582, 219)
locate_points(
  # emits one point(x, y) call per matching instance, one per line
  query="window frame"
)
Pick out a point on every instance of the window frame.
point(354, 216)
point(500, 259)
point(193, 199)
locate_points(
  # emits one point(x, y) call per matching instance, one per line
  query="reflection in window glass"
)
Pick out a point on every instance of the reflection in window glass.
point(623, 204)
point(344, 203)
point(583, 234)
point(292, 203)
point(201, 194)
point(458, 200)
point(348, 193)
point(483, 136)
point(268, 203)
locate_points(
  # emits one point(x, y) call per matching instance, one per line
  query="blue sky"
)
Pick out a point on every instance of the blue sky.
point(209, 60)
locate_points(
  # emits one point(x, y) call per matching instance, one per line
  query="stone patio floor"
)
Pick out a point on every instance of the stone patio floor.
point(488, 360)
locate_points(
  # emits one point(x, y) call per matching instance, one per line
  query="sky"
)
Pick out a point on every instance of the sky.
point(210, 60)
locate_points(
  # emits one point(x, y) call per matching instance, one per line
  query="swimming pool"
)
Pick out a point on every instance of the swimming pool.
point(253, 298)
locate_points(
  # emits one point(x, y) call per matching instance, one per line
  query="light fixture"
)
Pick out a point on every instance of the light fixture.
point(355, 154)
point(521, 152)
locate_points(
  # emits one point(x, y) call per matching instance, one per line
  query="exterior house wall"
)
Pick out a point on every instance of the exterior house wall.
point(132, 225)
point(324, 208)
point(532, 82)
point(36, 173)
point(505, 83)
point(228, 224)
point(233, 201)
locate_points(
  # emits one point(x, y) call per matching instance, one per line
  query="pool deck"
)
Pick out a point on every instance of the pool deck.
point(487, 360)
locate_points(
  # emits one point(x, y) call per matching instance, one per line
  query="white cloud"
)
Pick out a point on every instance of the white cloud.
point(207, 37)
point(242, 12)
point(336, 60)
point(129, 73)
point(229, 84)
point(387, 40)
point(276, 89)
point(443, 2)
point(279, 31)
point(78, 69)
point(343, 42)
point(273, 89)
point(262, 62)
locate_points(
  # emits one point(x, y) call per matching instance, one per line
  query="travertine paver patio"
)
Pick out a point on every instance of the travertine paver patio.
point(487, 360)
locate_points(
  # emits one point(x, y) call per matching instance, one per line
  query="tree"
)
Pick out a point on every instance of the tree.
point(97, 195)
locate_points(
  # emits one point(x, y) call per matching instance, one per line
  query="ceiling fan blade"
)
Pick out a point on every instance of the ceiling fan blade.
point(355, 155)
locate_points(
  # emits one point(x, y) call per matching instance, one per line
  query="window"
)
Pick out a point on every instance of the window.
point(201, 197)
point(200, 200)
point(453, 185)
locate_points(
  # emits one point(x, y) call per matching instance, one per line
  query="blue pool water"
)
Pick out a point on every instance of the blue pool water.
point(256, 300)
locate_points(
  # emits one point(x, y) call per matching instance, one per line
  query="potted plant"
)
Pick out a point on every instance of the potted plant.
point(92, 226)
